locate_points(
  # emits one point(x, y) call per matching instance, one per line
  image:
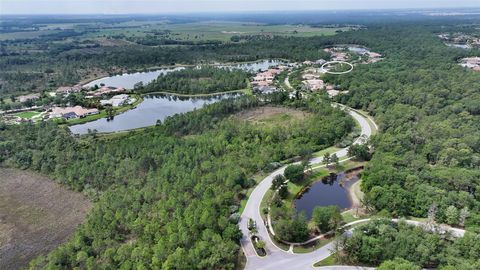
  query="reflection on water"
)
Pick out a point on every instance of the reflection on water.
point(331, 190)
point(128, 80)
point(153, 108)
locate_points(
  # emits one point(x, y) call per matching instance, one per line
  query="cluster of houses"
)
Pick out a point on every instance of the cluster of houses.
point(263, 81)
point(312, 81)
point(471, 62)
point(337, 54)
point(342, 54)
point(71, 112)
point(460, 40)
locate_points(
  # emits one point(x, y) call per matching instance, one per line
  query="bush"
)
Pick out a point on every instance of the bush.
point(294, 173)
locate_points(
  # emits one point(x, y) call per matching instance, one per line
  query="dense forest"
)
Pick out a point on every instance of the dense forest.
point(383, 240)
point(165, 196)
point(199, 80)
point(427, 155)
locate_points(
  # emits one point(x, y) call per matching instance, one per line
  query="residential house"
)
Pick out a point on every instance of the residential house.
point(65, 90)
point(72, 112)
point(117, 101)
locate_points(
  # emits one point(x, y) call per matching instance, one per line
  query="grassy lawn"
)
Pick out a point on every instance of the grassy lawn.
point(313, 246)
point(329, 261)
point(329, 150)
point(27, 114)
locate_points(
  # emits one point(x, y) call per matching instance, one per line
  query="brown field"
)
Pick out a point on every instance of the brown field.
point(269, 115)
point(36, 215)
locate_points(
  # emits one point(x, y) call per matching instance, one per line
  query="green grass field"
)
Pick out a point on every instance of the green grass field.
point(216, 30)
point(27, 115)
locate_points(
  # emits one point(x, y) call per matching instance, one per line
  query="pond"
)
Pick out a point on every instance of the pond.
point(153, 108)
point(128, 80)
point(328, 191)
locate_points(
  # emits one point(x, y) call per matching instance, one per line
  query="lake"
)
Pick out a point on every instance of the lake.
point(326, 192)
point(128, 80)
point(153, 108)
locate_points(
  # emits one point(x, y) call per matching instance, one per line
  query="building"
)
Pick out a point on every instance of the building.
point(72, 112)
point(314, 84)
point(65, 90)
point(118, 100)
point(107, 90)
point(30, 97)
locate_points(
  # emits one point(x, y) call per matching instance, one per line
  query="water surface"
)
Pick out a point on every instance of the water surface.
point(153, 108)
point(128, 80)
point(326, 192)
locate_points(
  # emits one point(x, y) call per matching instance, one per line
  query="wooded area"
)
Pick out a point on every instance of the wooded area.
point(199, 80)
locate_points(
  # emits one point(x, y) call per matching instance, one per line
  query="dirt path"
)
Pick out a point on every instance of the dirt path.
point(36, 215)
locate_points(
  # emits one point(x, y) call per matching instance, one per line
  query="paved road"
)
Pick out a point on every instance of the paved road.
point(277, 258)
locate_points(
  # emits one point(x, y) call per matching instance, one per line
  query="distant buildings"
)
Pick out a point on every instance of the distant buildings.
point(65, 90)
point(117, 101)
point(471, 62)
point(263, 81)
point(30, 97)
point(107, 90)
point(72, 112)
point(313, 84)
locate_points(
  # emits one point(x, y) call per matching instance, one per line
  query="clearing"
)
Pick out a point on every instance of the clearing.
point(269, 115)
point(36, 215)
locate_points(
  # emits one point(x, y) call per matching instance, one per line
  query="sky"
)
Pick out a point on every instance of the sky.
point(193, 6)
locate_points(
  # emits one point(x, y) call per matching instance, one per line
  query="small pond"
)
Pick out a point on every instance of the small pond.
point(153, 108)
point(328, 191)
point(128, 80)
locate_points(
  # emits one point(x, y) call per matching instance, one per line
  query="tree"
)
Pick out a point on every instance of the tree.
point(294, 229)
point(260, 244)
point(327, 218)
point(334, 159)
point(277, 181)
point(452, 215)
point(294, 173)
point(464, 214)
point(359, 152)
point(283, 192)
point(398, 264)
point(326, 158)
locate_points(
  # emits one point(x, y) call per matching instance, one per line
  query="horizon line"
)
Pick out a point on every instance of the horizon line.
point(259, 11)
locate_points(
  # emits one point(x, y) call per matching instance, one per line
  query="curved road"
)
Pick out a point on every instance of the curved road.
point(277, 258)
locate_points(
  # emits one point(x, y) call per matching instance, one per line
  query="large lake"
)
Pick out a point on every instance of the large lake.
point(128, 80)
point(153, 108)
point(156, 107)
point(327, 192)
